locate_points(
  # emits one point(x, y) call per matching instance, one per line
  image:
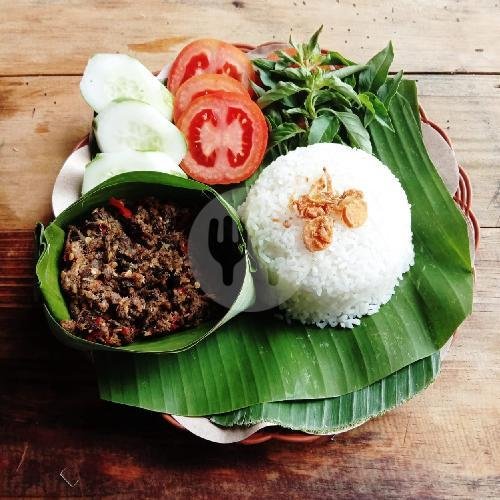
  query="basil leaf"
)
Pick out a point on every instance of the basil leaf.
point(347, 70)
point(257, 89)
point(286, 57)
point(279, 92)
point(358, 135)
point(375, 110)
point(377, 68)
point(388, 90)
point(282, 65)
point(264, 64)
point(284, 132)
point(351, 80)
point(299, 74)
point(312, 47)
point(334, 58)
point(296, 111)
point(310, 102)
point(274, 118)
point(323, 129)
point(366, 102)
point(289, 102)
point(331, 98)
point(382, 114)
point(264, 67)
point(336, 84)
point(266, 79)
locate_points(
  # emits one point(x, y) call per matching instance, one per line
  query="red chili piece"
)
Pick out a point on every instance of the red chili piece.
point(120, 206)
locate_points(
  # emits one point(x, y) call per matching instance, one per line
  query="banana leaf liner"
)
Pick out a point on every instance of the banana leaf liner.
point(335, 415)
point(257, 358)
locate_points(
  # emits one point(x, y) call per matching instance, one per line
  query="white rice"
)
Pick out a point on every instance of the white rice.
point(359, 270)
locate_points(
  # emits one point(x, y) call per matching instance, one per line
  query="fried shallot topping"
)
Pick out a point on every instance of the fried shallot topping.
point(318, 233)
point(322, 206)
point(355, 213)
point(321, 199)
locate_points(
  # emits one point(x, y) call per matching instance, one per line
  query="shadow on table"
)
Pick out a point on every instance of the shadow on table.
point(50, 394)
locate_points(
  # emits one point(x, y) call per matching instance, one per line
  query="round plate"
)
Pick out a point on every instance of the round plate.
point(67, 190)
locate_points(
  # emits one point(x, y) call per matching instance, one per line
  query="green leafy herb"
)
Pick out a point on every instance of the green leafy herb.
point(257, 89)
point(357, 133)
point(347, 71)
point(323, 129)
point(377, 68)
point(375, 110)
point(388, 90)
point(297, 74)
point(284, 132)
point(331, 100)
point(309, 96)
point(264, 64)
point(335, 84)
point(279, 92)
point(311, 48)
point(335, 58)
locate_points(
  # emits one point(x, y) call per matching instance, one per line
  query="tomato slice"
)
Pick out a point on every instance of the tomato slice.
point(204, 84)
point(210, 56)
point(226, 134)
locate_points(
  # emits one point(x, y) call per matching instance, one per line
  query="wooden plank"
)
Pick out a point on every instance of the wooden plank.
point(41, 118)
point(58, 439)
point(49, 37)
point(444, 443)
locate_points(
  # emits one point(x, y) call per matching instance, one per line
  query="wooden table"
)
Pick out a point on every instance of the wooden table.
point(58, 438)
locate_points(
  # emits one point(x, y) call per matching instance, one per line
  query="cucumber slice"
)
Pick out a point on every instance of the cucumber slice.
point(132, 125)
point(108, 77)
point(107, 165)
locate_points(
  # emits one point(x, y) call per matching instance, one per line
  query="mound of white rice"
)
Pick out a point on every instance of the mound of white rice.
point(360, 269)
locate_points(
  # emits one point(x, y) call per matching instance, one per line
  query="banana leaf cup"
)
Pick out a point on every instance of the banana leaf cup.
point(132, 186)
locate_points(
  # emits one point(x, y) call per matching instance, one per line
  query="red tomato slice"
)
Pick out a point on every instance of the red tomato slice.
point(210, 56)
point(226, 134)
point(203, 85)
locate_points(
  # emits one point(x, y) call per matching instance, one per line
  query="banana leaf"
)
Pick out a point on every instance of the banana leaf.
point(327, 416)
point(257, 358)
point(129, 185)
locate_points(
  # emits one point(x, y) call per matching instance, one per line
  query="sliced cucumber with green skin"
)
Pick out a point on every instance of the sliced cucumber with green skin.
point(107, 165)
point(127, 125)
point(108, 77)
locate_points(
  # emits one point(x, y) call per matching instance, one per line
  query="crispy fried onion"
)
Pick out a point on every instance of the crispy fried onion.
point(318, 233)
point(322, 206)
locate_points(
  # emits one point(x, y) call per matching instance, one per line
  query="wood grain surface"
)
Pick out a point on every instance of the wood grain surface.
point(57, 36)
point(58, 439)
